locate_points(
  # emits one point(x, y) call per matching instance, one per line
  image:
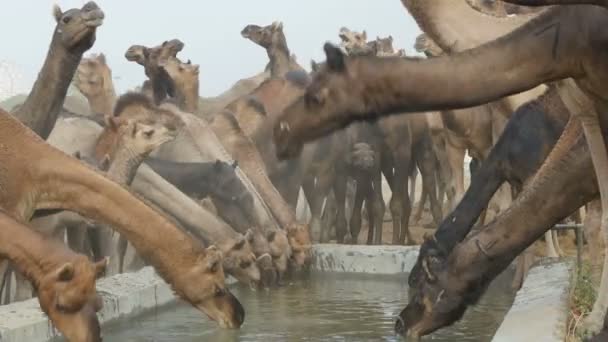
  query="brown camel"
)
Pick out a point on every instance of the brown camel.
point(272, 39)
point(94, 80)
point(73, 36)
point(57, 181)
point(583, 23)
point(185, 78)
point(64, 281)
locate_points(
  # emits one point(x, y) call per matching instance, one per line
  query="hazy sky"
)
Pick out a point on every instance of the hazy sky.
point(210, 30)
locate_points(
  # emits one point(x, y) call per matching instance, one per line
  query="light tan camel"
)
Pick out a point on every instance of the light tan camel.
point(272, 39)
point(64, 281)
point(94, 80)
point(73, 35)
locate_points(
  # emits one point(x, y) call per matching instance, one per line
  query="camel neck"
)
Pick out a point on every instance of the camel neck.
point(279, 58)
point(26, 249)
point(187, 96)
point(124, 165)
point(104, 103)
point(397, 85)
point(78, 188)
point(456, 26)
point(45, 101)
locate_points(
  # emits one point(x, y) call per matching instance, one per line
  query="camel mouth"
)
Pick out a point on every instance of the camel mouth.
point(94, 18)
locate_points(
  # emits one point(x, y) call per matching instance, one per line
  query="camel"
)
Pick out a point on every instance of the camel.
point(135, 142)
point(57, 181)
point(64, 281)
point(272, 39)
point(406, 143)
point(184, 77)
point(94, 80)
point(238, 257)
point(545, 67)
point(73, 36)
point(217, 180)
point(240, 147)
point(150, 59)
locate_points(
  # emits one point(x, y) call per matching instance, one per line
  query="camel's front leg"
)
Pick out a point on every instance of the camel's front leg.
point(597, 147)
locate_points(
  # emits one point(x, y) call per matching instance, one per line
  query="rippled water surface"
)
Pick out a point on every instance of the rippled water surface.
point(325, 307)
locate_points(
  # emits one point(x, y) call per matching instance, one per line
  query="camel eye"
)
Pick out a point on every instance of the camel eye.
point(66, 20)
point(219, 292)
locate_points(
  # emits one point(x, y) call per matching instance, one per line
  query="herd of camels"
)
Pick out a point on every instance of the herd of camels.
point(203, 187)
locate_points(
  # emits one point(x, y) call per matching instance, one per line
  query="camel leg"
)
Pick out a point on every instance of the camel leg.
point(340, 195)
point(591, 226)
point(424, 196)
point(317, 194)
point(413, 179)
point(400, 202)
point(524, 261)
point(558, 249)
point(376, 208)
point(551, 252)
point(597, 148)
point(426, 165)
point(24, 289)
point(455, 157)
point(363, 189)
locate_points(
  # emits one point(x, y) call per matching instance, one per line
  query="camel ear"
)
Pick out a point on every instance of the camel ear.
point(429, 275)
point(364, 35)
point(335, 58)
point(249, 235)
point(65, 272)
point(277, 25)
point(390, 38)
point(235, 164)
point(213, 258)
point(239, 245)
point(270, 236)
point(314, 66)
point(100, 267)
point(77, 155)
point(104, 164)
point(112, 122)
point(101, 58)
point(57, 13)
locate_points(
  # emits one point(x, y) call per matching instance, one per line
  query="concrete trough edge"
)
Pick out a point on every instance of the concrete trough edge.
point(540, 310)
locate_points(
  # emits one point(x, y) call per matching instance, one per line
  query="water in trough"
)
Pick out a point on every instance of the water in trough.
point(323, 307)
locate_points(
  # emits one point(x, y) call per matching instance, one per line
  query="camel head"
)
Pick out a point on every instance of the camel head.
point(202, 284)
point(424, 44)
point(383, 47)
point(437, 298)
point(93, 77)
point(299, 239)
point(150, 59)
point(140, 138)
point(353, 41)
point(76, 27)
point(68, 296)
point(267, 36)
point(331, 94)
point(280, 250)
point(362, 157)
point(184, 75)
point(240, 261)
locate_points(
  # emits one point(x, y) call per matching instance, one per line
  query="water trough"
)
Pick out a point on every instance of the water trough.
point(128, 296)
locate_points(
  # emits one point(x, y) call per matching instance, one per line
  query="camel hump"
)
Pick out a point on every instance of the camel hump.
point(298, 77)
